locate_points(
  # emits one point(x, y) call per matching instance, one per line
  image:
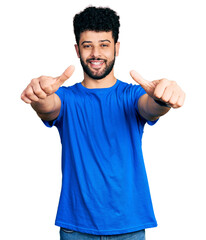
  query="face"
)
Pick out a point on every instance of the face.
point(97, 52)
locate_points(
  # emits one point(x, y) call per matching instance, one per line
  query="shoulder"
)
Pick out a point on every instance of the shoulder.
point(130, 89)
point(69, 90)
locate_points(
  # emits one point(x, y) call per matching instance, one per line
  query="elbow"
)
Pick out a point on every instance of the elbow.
point(152, 119)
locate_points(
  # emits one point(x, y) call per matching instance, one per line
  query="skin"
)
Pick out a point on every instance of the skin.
point(163, 90)
point(97, 45)
point(97, 50)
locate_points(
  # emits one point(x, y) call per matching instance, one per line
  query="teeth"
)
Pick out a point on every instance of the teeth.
point(96, 63)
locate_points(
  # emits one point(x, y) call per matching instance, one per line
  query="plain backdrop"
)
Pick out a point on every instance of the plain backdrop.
point(159, 38)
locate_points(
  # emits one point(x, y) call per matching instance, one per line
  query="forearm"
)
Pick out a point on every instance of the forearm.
point(151, 110)
point(48, 108)
point(40, 93)
point(168, 92)
point(157, 109)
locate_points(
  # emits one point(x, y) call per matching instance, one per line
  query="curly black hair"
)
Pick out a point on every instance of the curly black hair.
point(96, 19)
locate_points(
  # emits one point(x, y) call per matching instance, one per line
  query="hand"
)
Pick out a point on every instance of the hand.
point(162, 90)
point(41, 87)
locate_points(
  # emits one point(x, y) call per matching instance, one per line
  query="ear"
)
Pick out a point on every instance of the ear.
point(77, 50)
point(117, 46)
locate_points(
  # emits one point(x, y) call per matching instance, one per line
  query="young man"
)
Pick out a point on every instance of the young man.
point(100, 121)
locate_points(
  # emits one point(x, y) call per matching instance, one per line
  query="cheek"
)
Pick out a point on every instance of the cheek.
point(84, 54)
point(108, 53)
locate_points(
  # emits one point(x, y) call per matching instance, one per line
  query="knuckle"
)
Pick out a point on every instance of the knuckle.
point(156, 95)
point(47, 89)
point(174, 83)
point(38, 92)
point(43, 97)
point(165, 99)
point(22, 96)
point(174, 106)
point(172, 102)
point(179, 104)
point(41, 94)
point(42, 77)
point(29, 94)
point(164, 80)
point(34, 80)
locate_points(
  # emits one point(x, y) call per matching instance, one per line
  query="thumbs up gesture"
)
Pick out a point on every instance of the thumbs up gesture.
point(162, 90)
point(40, 88)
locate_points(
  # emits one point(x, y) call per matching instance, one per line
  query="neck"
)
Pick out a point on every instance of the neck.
point(106, 82)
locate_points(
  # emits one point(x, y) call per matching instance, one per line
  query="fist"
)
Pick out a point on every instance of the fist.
point(162, 90)
point(40, 88)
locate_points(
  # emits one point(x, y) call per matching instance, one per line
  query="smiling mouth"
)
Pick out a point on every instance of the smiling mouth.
point(96, 64)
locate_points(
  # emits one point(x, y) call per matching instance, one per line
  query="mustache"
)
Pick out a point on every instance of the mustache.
point(97, 59)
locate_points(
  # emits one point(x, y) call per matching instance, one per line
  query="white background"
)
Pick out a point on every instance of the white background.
point(159, 38)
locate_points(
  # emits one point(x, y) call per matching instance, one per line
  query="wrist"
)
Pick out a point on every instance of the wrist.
point(162, 104)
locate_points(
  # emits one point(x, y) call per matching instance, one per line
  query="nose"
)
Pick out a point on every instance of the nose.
point(95, 52)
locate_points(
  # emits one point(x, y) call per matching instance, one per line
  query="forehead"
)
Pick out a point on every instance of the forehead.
point(94, 36)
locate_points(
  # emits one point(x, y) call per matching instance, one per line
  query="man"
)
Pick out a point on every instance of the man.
point(100, 121)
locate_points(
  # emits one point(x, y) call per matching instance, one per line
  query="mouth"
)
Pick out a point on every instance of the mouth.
point(96, 64)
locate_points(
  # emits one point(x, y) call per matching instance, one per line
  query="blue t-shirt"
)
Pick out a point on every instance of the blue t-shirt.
point(105, 189)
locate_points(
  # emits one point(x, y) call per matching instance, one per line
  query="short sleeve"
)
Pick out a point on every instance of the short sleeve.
point(61, 94)
point(138, 92)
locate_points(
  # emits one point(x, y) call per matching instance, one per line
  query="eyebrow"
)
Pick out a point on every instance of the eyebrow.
point(106, 40)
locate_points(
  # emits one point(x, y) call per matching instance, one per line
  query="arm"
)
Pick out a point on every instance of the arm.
point(40, 93)
point(161, 96)
point(149, 109)
point(48, 109)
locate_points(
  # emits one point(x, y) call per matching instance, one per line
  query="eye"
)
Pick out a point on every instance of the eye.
point(87, 46)
point(104, 45)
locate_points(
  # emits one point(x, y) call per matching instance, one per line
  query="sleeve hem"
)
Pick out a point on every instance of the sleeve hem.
point(53, 122)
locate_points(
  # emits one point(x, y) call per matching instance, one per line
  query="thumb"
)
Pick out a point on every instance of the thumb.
point(66, 74)
point(140, 80)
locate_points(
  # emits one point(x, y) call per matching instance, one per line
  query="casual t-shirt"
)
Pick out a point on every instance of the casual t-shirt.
point(105, 189)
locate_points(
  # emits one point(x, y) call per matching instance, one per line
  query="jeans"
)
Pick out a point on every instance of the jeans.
point(66, 234)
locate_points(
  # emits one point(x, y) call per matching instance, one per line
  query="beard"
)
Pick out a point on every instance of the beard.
point(97, 75)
